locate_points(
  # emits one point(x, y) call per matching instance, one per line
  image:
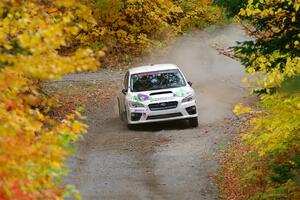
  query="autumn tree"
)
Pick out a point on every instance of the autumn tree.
point(198, 13)
point(130, 28)
point(232, 7)
point(43, 40)
point(272, 160)
point(33, 145)
point(276, 48)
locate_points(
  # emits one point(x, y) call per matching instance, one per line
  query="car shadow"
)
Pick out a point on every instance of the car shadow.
point(159, 126)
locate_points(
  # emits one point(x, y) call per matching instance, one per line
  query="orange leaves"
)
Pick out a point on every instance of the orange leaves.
point(33, 146)
point(32, 100)
point(9, 104)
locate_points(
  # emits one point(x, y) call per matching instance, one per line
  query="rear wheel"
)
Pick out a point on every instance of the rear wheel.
point(120, 111)
point(193, 122)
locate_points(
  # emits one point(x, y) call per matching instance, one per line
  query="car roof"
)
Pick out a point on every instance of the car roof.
point(151, 68)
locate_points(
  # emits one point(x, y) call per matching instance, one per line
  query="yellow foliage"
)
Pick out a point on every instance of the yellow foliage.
point(33, 34)
point(240, 109)
point(130, 28)
point(32, 145)
point(273, 128)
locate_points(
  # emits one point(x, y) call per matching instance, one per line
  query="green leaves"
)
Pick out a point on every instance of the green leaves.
point(275, 31)
point(232, 6)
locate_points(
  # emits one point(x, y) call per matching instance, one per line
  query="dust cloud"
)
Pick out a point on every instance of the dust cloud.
point(216, 78)
point(197, 58)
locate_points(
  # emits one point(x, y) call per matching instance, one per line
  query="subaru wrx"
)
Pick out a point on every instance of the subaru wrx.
point(156, 93)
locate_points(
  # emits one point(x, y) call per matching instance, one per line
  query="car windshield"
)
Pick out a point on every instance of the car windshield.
point(156, 80)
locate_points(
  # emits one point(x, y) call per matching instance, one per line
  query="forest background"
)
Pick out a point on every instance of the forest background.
point(43, 40)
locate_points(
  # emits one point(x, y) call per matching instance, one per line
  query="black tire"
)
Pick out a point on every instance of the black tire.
point(193, 122)
point(120, 112)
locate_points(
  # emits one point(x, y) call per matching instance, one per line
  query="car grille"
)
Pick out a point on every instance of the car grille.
point(164, 116)
point(163, 105)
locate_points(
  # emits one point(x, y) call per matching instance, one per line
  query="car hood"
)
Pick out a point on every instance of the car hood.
point(160, 95)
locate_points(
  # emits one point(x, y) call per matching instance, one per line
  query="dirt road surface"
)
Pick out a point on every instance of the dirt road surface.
point(169, 160)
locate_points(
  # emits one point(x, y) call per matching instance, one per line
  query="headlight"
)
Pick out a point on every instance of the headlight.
point(188, 98)
point(135, 104)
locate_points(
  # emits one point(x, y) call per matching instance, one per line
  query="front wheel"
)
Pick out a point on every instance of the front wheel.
point(193, 122)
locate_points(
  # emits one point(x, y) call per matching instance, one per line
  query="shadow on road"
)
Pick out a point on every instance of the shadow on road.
point(159, 126)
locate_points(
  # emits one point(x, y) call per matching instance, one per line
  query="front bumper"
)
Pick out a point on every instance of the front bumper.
point(145, 115)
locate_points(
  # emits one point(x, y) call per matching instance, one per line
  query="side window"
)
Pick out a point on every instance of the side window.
point(125, 83)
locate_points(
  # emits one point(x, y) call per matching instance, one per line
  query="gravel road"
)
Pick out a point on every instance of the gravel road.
point(169, 160)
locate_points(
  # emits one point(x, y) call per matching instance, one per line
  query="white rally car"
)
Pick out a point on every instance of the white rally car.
point(156, 93)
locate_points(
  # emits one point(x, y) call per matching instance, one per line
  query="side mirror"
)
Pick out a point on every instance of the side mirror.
point(190, 83)
point(124, 91)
